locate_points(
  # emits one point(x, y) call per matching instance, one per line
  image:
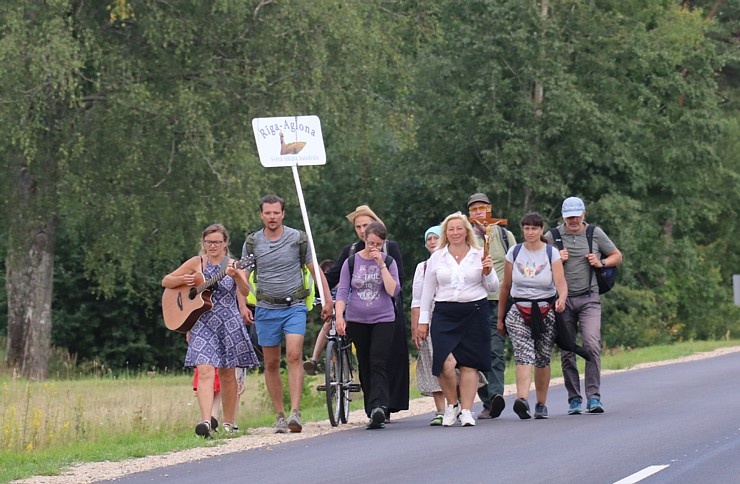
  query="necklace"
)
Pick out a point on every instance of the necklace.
point(457, 257)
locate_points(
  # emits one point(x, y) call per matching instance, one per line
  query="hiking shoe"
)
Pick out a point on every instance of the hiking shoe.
point(484, 414)
point(229, 429)
point(540, 411)
point(436, 420)
point(521, 408)
point(594, 406)
point(203, 429)
point(281, 426)
point(310, 367)
point(451, 414)
point(574, 406)
point(497, 405)
point(377, 419)
point(214, 424)
point(466, 418)
point(294, 422)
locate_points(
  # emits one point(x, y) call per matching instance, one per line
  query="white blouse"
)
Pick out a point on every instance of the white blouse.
point(417, 285)
point(446, 280)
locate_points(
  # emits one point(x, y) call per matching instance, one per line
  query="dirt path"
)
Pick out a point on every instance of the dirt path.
point(263, 437)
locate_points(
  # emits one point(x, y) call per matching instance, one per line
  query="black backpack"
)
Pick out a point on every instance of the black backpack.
point(606, 277)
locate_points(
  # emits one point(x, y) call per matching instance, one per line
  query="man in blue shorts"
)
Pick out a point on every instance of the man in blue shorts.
point(281, 308)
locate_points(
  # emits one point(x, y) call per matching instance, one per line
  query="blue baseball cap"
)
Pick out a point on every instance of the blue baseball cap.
point(573, 207)
point(436, 230)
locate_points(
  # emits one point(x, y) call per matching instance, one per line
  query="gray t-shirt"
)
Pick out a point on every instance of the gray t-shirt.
point(531, 273)
point(278, 269)
point(577, 269)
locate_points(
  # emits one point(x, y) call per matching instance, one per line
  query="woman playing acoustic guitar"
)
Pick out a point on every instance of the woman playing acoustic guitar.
point(219, 338)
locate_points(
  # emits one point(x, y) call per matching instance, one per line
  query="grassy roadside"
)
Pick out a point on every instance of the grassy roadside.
point(47, 426)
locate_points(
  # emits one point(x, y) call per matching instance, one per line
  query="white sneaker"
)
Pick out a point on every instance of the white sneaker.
point(466, 418)
point(451, 413)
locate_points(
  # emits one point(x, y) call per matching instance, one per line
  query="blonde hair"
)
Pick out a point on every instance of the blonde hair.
point(470, 236)
point(212, 229)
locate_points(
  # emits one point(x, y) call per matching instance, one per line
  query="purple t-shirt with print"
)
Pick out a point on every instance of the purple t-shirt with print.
point(366, 299)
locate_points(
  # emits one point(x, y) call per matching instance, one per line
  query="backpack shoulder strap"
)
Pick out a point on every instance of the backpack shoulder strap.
point(351, 258)
point(517, 248)
point(249, 246)
point(548, 247)
point(302, 248)
point(557, 239)
point(504, 238)
point(249, 243)
point(590, 237)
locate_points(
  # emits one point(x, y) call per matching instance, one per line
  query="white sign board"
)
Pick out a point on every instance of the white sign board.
point(736, 284)
point(289, 141)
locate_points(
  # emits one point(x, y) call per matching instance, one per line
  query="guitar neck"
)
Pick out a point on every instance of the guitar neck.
point(209, 283)
point(246, 262)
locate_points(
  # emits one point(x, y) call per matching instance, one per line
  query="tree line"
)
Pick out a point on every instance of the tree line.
point(126, 129)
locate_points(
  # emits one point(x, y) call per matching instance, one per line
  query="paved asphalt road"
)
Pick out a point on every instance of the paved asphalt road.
point(683, 416)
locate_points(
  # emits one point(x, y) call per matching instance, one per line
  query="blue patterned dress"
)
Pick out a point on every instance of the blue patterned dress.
point(219, 337)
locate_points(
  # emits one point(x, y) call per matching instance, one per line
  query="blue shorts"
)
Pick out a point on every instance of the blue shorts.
point(272, 324)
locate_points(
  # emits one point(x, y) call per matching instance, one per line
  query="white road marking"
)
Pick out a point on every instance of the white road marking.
point(640, 475)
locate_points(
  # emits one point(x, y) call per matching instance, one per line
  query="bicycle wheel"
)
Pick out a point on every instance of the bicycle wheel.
point(346, 381)
point(332, 373)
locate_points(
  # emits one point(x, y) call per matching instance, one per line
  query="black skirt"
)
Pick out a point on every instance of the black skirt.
point(463, 330)
point(398, 362)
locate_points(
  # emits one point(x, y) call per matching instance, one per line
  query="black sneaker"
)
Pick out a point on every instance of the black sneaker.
point(521, 408)
point(497, 406)
point(214, 424)
point(203, 429)
point(540, 411)
point(377, 419)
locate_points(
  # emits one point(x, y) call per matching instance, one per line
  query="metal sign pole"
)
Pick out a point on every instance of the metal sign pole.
point(307, 225)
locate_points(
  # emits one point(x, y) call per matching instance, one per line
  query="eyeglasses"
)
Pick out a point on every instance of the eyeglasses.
point(479, 209)
point(213, 243)
point(374, 245)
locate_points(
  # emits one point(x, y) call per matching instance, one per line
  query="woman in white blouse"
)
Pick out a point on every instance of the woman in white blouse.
point(455, 287)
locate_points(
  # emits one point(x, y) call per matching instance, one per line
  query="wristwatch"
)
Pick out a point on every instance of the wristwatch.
point(603, 263)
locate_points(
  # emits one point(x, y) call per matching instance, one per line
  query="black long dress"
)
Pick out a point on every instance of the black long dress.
point(398, 363)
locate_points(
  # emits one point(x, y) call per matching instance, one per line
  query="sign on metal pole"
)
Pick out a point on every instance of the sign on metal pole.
point(292, 141)
point(736, 287)
point(289, 141)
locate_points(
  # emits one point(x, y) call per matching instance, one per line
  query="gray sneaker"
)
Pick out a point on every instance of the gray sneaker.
point(540, 411)
point(281, 426)
point(294, 422)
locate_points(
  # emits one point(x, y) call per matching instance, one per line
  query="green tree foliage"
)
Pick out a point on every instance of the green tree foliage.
point(629, 119)
point(126, 128)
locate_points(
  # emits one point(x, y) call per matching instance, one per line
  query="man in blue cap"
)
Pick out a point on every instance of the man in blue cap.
point(491, 394)
point(583, 306)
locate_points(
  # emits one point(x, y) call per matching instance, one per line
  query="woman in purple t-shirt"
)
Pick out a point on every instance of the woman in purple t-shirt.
point(366, 293)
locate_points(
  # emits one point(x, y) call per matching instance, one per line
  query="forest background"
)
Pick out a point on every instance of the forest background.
point(125, 129)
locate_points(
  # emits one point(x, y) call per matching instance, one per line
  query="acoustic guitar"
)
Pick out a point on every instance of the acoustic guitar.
point(183, 305)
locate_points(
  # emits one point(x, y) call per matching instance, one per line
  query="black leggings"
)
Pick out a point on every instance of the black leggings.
point(373, 343)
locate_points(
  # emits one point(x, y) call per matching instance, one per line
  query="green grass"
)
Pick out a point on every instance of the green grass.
point(47, 426)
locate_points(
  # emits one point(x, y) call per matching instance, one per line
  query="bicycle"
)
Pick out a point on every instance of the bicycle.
point(339, 376)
